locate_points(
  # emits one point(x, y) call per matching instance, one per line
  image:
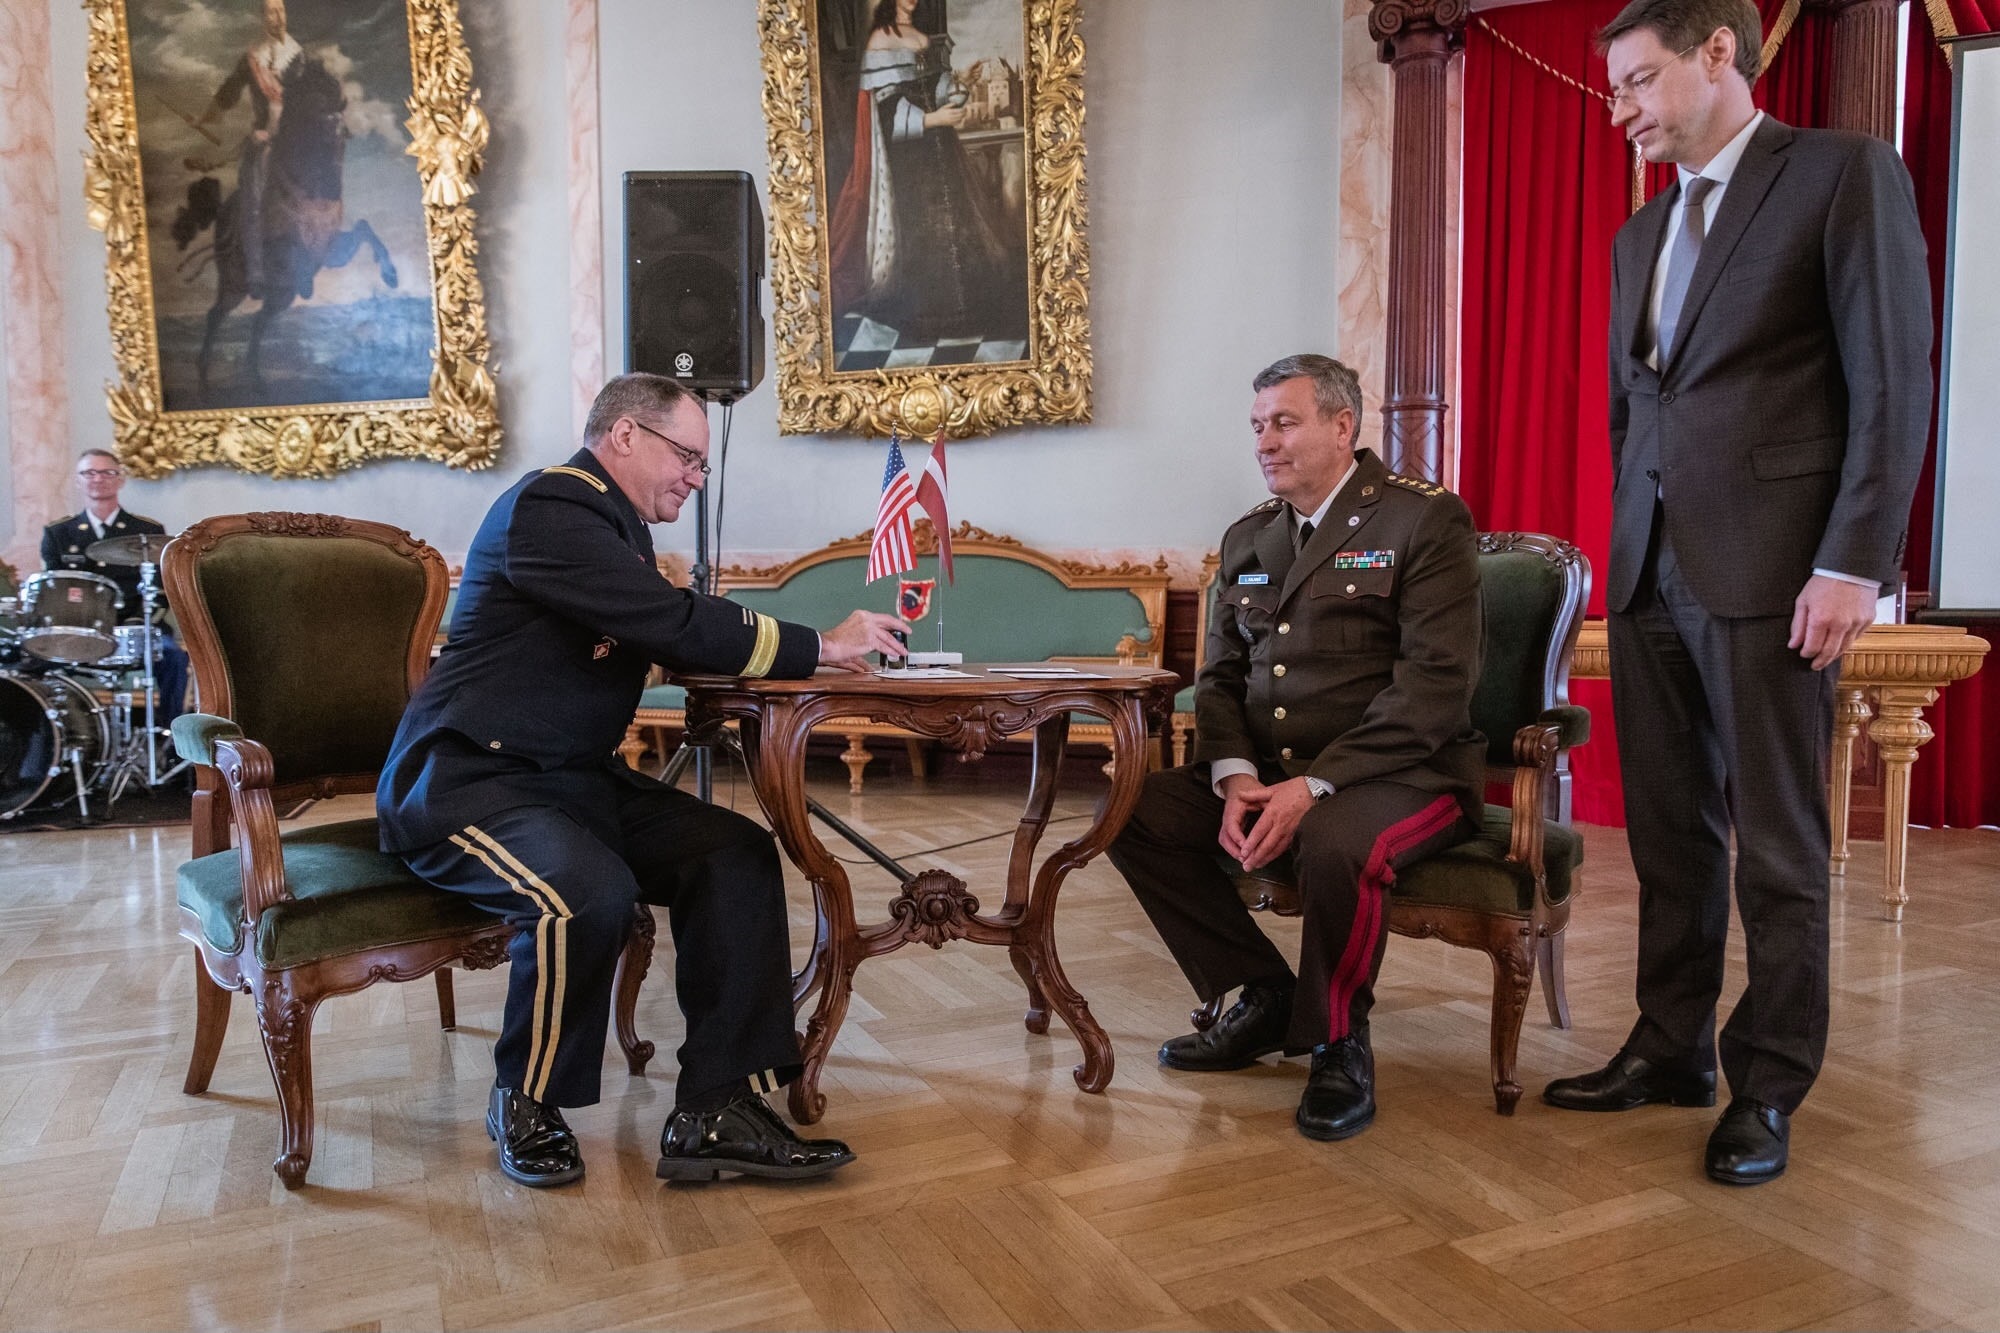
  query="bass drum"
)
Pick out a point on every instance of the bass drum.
point(43, 720)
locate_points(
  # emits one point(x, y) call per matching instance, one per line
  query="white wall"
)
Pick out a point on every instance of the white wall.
point(1213, 160)
point(1213, 189)
point(523, 234)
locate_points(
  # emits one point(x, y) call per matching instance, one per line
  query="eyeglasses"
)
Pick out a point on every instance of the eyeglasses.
point(100, 472)
point(1630, 90)
point(690, 460)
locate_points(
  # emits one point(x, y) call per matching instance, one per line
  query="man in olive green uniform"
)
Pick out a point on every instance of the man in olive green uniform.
point(1332, 728)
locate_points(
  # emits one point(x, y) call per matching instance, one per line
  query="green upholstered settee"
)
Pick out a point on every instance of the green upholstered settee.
point(1508, 891)
point(1010, 603)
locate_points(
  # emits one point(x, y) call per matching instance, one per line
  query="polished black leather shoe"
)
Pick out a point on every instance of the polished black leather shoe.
point(746, 1137)
point(1750, 1143)
point(1339, 1100)
point(1252, 1027)
point(1629, 1081)
point(536, 1146)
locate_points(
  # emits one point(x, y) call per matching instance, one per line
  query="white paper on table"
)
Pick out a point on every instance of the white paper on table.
point(922, 673)
point(1047, 675)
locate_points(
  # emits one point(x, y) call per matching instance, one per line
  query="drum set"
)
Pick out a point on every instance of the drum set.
point(71, 681)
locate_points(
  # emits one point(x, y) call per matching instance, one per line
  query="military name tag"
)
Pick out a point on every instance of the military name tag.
point(1252, 578)
point(1364, 560)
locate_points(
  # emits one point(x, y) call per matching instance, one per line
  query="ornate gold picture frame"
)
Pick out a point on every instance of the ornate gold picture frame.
point(283, 189)
point(966, 115)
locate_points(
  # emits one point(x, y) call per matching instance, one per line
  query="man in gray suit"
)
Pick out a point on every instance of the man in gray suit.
point(1770, 394)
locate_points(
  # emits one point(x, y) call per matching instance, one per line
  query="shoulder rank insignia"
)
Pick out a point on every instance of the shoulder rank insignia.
point(1364, 560)
point(579, 474)
point(1428, 489)
point(1264, 508)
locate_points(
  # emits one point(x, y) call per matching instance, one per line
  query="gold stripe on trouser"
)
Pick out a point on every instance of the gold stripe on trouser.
point(764, 654)
point(551, 950)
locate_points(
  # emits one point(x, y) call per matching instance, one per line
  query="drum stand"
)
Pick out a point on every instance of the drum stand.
point(126, 763)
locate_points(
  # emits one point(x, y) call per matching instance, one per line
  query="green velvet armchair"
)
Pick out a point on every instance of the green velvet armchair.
point(308, 634)
point(1508, 891)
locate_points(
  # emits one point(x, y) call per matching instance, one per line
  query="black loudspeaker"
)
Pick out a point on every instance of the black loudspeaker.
point(694, 276)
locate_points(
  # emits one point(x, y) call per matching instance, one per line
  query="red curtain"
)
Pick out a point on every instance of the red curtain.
point(1956, 780)
point(1546, 186)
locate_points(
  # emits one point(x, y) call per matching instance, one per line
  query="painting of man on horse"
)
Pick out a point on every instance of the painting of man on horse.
point(319, 179)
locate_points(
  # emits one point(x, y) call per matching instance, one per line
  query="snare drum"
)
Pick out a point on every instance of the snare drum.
point(131, 654)
point(10, 630)
point(50, 726)
point(69, 616)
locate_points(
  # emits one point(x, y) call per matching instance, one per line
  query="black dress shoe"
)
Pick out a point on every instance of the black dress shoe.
point(1254, 1026)
point(746, 1137)
point(536, 1147)
point(1750, 1143)
point(1630, 1081)
point(1339, 1100)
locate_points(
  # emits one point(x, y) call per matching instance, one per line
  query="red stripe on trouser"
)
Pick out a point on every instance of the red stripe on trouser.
point(1376, 877)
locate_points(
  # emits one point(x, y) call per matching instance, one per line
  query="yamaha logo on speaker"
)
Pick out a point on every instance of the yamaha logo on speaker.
point(684, 364)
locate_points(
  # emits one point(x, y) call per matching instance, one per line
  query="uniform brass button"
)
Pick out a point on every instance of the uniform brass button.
point(1278, 713)
point(1285, 628)
point(1246, 601)
point(1354, 522)
point(493, 745)
point(1278, 670)
point(1285, 753)
point(1350, 587)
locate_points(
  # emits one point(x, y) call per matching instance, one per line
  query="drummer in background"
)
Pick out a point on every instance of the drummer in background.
point(66, 543)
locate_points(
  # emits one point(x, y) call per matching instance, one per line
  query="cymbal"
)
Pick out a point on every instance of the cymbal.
point(141, 548)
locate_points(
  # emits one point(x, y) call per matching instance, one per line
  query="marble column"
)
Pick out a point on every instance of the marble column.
point(1416, 40)
point(1864, 66)
point(586, 213)
point(30, 281)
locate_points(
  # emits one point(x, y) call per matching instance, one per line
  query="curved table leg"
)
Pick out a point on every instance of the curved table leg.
point(774, 752)
point(1051, 743)
point(1898, 731)
point(1036, 933)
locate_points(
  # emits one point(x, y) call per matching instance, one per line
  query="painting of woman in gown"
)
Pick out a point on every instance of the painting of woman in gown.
point(927, 230)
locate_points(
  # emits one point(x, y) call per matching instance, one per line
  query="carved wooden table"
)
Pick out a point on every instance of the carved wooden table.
point(1906, 665)
point(776, 717)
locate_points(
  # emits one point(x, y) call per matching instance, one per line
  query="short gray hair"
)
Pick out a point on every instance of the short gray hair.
point(1336, 388)
point(629, 396)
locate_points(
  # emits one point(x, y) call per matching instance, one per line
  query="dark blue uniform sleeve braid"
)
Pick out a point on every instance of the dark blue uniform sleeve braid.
point(568, 555)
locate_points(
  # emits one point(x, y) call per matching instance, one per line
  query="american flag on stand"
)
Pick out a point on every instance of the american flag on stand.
point(891, 551)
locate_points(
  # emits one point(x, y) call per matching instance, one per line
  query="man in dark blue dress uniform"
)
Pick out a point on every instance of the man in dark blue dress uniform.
point(504, 784)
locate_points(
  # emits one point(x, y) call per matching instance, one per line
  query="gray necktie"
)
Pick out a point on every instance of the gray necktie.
point(1681, 259)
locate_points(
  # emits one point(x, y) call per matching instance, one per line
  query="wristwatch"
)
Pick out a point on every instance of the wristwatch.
point(1319, 787)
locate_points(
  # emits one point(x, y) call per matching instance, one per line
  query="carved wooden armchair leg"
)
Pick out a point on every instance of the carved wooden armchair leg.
point(1179, 739)
point(211, 1020)
point(633, 964)
point(1513, 953)
point(1551, 954)
point(285, 1015)
point(447, 1002)
point(856, 757)
point(1204, 1017)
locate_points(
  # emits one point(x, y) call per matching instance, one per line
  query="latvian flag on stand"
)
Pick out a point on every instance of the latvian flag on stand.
point(891, 551)
point(932, 493)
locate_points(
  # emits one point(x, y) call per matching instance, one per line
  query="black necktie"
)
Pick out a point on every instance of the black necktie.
point(1305, 533)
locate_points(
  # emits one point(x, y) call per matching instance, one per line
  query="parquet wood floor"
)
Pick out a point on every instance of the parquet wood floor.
point(990, 1193)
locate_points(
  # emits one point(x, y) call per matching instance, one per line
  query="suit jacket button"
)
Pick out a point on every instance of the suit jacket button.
point(1667, 397)
point(493, 745)
point(1278, 713)
point(1278, 670)
point(1285, 753)
point(1285, 628)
